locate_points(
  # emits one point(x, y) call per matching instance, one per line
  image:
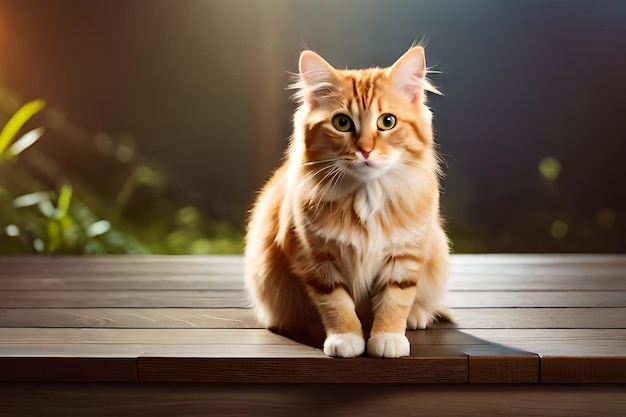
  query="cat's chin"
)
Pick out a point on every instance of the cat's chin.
point(367, 170)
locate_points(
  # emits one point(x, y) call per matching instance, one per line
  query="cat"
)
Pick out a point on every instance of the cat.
point(345, 241)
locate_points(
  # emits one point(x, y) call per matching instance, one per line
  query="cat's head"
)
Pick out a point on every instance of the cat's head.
point(365, 122)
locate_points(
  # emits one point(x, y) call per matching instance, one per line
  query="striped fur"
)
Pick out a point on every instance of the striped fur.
point(345, 242)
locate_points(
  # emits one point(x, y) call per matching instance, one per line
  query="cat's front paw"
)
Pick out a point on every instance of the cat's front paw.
point(388, 345)
point(344, 345)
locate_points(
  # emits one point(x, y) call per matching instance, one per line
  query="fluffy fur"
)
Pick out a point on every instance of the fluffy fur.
point(345, 241)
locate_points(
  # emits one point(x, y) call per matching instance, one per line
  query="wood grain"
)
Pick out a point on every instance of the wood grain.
point(143, 336)
point(510, 369)
point(218, 298)
point(131, 318)
point(559, 342)
point(85, 280)
point(117, 351)
point(521, 319)
point(170, 318)
point(534, 299)
point(489, 362)
point(61, 281)
point(583, 370)
point(34, 298)
point(310, 370)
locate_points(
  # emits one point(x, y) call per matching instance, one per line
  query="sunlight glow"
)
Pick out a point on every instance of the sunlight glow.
point(558, 229)
point(550, 168)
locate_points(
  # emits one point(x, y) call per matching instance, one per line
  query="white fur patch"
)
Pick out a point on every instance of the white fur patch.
point(388, 345)
point(344, 345)
point(368, 200)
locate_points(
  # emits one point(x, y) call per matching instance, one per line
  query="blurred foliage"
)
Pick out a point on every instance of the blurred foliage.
point(8, 147)
point(76, 201)
point(64, 190)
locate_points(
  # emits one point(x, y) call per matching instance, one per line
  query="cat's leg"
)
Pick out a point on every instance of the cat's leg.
point(392, 304)
point(344, 335)
point(427, 307)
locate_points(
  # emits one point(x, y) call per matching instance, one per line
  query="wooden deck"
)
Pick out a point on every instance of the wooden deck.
point(174, 336)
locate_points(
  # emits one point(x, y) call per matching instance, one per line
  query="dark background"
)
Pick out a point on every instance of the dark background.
point(198, 89)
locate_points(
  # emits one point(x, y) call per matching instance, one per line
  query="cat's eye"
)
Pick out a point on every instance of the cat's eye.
point(386, 121)
point(342, 123)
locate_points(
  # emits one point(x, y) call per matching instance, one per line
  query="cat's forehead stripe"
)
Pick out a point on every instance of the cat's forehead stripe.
point(362, 85)
point(354, 89)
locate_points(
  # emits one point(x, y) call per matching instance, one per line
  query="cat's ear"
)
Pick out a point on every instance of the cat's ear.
point(318, 78)
point(408, 75)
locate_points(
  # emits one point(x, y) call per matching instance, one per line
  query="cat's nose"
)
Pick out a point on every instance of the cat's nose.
point(365, 153)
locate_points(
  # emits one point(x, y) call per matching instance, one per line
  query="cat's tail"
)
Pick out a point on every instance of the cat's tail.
point(445, 314)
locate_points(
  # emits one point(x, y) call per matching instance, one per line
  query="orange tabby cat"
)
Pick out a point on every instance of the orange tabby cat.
point(345, 240)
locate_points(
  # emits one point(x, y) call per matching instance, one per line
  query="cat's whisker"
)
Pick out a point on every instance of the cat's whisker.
point(315, 173)
point(322, 161)
point(322, 176)
point(328, 189)
point(335, 181)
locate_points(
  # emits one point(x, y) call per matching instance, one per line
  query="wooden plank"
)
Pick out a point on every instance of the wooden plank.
point(456, 340)
point(68, 369)
point(128, 299)
point(567, 356)
point(527, 269)
point(510, 368)
point(576, 344)
point(305, 370)
point(215, 357)
point(559, 342)
point(142, 336)
point(541, 318)
point(24, 266)
point(538, 282)
point(70, 350)
point(58, 280)
point(287, 400)
point(570, 356)
point(131, 350)
point(120, 262)
point(137, 318)
point(549, 259)
point(106, 282)
point(34, 298)
point(488, 362)
point(583, 370)
point(520, 318)
point(533, 299)
point(197, 261)
point(439, 346)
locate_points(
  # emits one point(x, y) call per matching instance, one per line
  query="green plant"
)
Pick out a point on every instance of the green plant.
point(9, 147)
point(48, 221)
point(60, 231)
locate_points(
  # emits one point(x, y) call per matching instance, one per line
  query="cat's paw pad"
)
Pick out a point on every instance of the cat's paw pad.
point(388, 345)
point(344, 345)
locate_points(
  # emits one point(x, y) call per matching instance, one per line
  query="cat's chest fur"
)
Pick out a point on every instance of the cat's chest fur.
point(367, 202)
point(359, 220)
point(363, 230)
